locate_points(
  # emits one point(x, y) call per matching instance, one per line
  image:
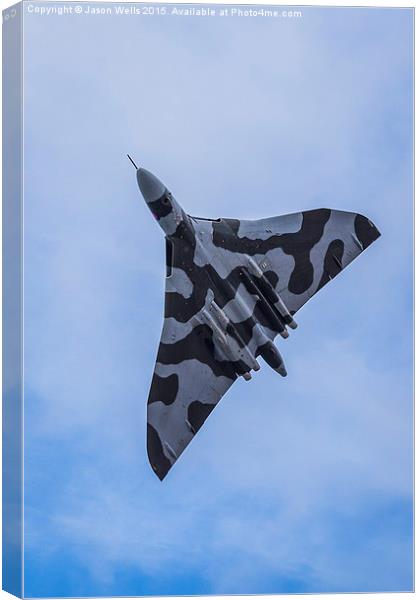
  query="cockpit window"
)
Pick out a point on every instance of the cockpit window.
point(169, 257)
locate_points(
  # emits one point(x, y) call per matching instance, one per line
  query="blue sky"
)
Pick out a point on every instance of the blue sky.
point(301, 484)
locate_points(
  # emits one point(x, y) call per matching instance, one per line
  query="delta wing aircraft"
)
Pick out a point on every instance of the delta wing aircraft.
point(231, 287)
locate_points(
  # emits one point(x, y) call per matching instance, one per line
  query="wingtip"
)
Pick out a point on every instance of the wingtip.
point(366, 231)
point(158, 461)
point(159, 470)
point(161, 476)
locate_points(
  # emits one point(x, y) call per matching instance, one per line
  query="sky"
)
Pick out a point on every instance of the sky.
point(302, 484)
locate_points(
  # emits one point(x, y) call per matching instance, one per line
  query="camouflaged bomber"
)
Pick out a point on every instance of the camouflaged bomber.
point(231, 287)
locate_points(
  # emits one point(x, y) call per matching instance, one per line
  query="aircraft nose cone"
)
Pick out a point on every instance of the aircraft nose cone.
point(150, 186)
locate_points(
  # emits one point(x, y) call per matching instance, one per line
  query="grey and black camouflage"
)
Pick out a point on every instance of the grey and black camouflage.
point(231, 287)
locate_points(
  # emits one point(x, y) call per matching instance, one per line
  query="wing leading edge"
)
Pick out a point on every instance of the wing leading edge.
point(189, 378)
